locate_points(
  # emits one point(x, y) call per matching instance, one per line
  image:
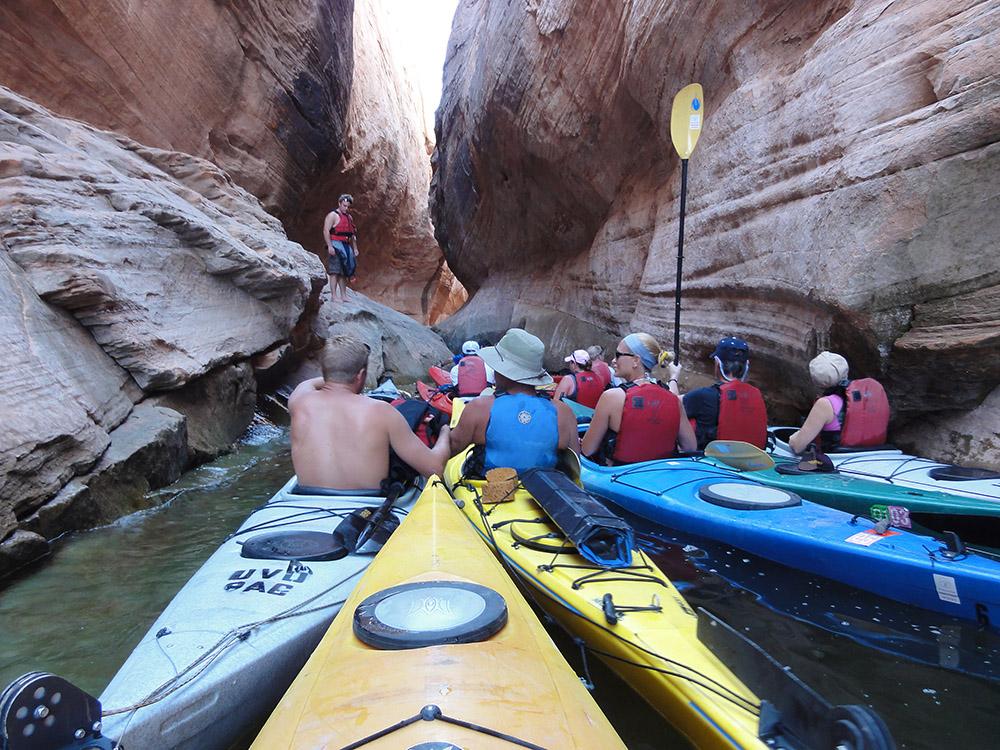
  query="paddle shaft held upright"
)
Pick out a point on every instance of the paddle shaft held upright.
point(680, 263)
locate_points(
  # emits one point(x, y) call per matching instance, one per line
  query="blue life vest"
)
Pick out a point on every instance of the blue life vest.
point(523, 432)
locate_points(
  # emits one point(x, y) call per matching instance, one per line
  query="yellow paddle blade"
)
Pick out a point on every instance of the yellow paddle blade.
point(456, 411)
point(569, 464)
point(686, 118)
point(738, 455)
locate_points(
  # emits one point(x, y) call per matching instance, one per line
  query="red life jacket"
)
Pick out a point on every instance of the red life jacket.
point(344, 228)
point(423, 419)
point(742, 414)
point(601, 370)
point(589, 388)
point(866, 414)
point(650, 420)
point(471, 375)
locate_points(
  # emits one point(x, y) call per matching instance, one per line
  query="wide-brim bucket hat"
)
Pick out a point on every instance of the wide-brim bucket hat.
point(519, 356)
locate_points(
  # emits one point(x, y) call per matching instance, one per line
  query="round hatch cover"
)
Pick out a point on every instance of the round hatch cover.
point(962, 473)
point(744, 496)
point(307, 546)
point(435, 746)
point(429, 613)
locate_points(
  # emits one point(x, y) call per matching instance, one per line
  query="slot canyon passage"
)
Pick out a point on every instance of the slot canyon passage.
point(165, 171)
point(162, 197)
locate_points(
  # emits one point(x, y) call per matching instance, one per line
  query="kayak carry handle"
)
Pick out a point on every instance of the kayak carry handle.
point(954, 546)
point(610, 613)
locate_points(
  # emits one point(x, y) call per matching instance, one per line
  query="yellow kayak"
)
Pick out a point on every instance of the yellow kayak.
point(393, 655)
point(653, 645)
point(636, 621)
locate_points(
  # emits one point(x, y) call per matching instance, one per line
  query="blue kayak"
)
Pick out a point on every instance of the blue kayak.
point(695, 497)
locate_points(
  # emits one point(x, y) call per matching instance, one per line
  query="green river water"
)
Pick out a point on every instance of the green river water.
point(80, 613)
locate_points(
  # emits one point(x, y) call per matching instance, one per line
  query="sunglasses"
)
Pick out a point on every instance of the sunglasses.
point(624, 354)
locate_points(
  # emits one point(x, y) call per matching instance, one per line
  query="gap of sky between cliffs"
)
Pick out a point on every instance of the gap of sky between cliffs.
point(419, 32)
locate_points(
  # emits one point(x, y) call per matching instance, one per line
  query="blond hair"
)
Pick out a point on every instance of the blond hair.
point(343, 357)
point(661, 370)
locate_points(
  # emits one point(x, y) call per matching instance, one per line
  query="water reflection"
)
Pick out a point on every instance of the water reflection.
point(80, 612)
point(921, 671)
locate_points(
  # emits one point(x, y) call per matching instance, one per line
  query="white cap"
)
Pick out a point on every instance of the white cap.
point(470, 347)
point(580, 356)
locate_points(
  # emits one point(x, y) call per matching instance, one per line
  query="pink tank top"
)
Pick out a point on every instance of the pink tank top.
point(837, 403)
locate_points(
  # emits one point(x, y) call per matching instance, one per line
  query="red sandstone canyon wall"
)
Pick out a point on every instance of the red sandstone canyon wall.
point(843, 194)
point(298, 101)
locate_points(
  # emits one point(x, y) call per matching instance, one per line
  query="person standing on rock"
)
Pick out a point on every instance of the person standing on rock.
point(341, 438)
point(341, 237)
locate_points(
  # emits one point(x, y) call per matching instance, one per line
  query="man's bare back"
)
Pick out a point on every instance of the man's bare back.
point(341, 439)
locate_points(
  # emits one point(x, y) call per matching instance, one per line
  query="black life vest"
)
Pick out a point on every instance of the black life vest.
point(742, 414)
point(650, 420)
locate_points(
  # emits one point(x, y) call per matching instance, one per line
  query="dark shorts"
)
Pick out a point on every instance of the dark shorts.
point(341, 260)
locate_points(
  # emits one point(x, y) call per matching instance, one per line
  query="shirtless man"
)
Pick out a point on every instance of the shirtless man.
point(341, 439)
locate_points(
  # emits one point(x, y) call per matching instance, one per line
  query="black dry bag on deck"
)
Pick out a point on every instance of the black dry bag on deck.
point(598, 534)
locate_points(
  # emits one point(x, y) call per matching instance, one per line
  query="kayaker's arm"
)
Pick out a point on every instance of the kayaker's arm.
point(569, 437)
point(327, 226)
point(610, 401)
point(566, 388)
point(819, 415)
point(471, 427)
point(685, 433)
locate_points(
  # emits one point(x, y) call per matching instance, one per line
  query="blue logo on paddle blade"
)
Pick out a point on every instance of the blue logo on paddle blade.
point(695, 104)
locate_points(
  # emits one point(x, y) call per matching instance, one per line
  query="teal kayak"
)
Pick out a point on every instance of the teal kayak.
point(975, 520)
point(582, 413)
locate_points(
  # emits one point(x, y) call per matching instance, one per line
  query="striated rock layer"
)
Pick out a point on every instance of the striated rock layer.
point(842, 195)
point(125, 272)
point(297, 101)
point(258, 88)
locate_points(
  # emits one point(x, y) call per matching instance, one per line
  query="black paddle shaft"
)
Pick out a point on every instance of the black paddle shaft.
point(680, 263)
point(393, 493)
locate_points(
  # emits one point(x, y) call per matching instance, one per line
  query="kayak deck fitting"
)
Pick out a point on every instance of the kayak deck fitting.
point(636, 621)
point(433, 668)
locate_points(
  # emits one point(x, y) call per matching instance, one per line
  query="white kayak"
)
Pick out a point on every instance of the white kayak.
point(888, 464)
point(223, 652)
